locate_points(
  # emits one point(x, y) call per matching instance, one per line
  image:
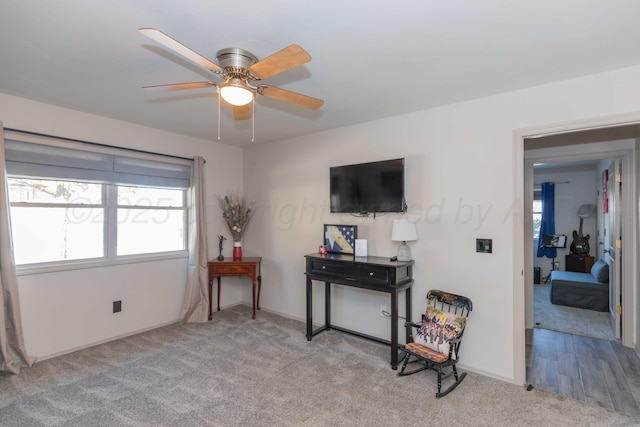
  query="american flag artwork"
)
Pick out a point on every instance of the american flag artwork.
point(340, 238)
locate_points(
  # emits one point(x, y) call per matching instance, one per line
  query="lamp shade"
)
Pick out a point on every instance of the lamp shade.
point(403, 231)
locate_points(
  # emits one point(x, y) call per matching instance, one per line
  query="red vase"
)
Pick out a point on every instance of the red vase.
point(237, 251)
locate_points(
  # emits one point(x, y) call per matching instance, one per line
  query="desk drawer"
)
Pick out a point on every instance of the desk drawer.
point(230, 269)
point(374, 273)
point(331, 268)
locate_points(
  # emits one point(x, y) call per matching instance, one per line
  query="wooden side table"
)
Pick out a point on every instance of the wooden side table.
point(247, 266)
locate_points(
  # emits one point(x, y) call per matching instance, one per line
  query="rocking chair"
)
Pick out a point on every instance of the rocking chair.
point(436, 342)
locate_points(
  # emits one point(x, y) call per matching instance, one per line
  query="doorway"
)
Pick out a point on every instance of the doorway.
point(575, 141)
point(587, 155)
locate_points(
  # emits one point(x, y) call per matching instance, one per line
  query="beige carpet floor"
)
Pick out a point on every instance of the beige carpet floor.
point(234, 371)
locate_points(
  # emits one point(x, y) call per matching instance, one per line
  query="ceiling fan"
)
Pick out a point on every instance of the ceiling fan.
point(241, 70)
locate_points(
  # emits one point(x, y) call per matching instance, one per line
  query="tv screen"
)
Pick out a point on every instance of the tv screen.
point(368, 187)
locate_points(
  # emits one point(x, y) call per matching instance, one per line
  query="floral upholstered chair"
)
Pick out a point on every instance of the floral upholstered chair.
point(436, 340)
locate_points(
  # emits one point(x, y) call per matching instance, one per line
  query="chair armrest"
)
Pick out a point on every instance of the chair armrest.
point(416, 325)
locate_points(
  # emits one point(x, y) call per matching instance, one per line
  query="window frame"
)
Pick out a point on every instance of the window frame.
point(110, 231)
point(109, 200)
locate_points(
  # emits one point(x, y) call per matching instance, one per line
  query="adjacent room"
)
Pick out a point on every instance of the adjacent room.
point(226, 213)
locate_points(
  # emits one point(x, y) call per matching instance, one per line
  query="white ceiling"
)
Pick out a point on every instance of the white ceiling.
point(371, 59)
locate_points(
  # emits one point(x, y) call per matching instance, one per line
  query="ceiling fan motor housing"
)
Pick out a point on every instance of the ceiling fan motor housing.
point(235, 58)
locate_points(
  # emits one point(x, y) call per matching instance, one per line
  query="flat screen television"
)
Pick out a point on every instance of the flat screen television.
point(368, 187)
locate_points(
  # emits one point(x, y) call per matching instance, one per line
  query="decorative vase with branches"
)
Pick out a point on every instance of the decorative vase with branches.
point(236, 212)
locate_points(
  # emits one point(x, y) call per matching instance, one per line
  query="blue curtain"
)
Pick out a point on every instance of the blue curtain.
point(548, 222)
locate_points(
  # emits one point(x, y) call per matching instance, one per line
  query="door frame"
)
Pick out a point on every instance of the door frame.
point(523, 267)
point(615, 227)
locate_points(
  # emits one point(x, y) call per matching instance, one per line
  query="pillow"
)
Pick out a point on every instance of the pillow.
point(600, 271)
point(439, 327)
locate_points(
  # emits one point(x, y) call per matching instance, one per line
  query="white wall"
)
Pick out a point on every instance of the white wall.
point(459, 170)
point(68, 310)
point(573, 189)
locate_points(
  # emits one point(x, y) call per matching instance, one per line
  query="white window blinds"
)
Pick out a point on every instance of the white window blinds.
point(26, 159)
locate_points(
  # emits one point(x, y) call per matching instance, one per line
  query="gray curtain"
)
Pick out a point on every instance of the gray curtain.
point(195, 307)
point(13, 354)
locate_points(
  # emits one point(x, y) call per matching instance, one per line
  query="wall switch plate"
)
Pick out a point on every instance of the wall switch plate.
point(117, 306)
point(484, 246)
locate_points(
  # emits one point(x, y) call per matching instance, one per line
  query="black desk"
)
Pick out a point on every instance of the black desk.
point(374, 273)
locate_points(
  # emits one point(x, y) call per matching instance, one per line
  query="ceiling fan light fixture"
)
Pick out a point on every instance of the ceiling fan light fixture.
point(235, 92)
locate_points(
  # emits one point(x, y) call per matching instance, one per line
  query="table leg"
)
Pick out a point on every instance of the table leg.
point(408, 311)
point(253, 297)
point(394, 329)
point(327, 306)
point(309, 312)
point(259, 289)
point(218, 293)
point(210, 297)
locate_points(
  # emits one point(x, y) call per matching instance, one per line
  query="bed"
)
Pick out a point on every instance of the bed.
point(582, 290)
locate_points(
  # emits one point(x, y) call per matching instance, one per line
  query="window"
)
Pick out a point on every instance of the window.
point(537, 213)
point(55, 220)
point(150, 220)
point(69, 206)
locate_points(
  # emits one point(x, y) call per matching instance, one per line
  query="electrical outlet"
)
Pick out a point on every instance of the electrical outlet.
point(117, 306)
point(383, 309)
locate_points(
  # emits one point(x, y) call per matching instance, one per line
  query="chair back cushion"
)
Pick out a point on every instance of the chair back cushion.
point(439, 327)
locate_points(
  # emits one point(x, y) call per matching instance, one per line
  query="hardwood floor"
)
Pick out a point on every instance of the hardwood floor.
point(597, 372)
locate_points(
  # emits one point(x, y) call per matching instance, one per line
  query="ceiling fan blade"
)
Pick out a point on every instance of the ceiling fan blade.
point(283, 60)
point(291, 97)
point(179, 86)
point(181, 49)
point(242, 112)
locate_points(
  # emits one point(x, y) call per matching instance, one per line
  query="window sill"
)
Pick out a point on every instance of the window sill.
point(26, 270)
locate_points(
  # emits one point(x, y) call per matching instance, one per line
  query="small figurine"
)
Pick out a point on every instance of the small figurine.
point(221, 239)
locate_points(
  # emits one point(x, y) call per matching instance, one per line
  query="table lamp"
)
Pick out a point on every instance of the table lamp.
point(403, 231)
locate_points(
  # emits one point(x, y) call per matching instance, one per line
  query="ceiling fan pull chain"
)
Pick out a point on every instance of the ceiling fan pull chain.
point(253, 120)
point(218, 89)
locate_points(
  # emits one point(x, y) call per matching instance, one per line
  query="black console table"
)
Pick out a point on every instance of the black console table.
point(374, 273)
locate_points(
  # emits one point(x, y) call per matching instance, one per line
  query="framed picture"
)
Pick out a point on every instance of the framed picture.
point(340, 239)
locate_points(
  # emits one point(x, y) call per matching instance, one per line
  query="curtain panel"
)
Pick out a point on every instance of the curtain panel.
point(547, 222)
point(13, 353)
point(195, 306)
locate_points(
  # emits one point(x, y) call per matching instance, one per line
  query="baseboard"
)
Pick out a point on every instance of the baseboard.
point(95, 343)
point(288, 316)
point(463, 367)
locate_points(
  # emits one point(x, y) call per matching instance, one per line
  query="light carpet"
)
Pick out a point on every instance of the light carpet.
point(570, 320)
point(234, 371)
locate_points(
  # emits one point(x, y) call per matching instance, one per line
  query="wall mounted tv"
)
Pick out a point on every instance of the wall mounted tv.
point(368, 187)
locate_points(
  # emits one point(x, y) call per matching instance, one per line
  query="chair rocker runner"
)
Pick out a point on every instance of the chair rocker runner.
point(437, 338)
